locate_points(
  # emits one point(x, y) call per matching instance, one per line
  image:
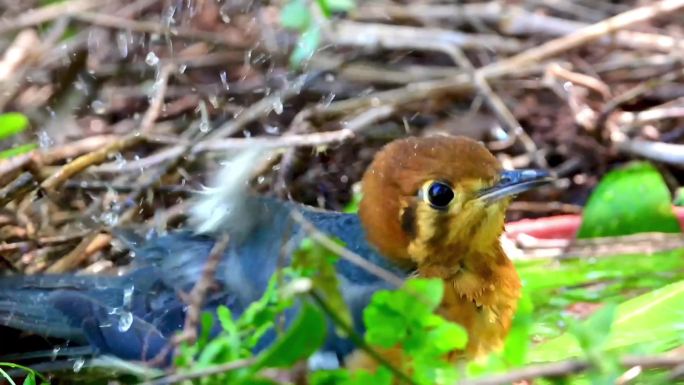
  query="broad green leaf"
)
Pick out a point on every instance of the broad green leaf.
point(649, 323)
point(629, 200)
point(296, 15)
point(306, 46)
point(12, 123)
point(302, 338)
point(592, 334)
point(17, 150)
point(517, 341)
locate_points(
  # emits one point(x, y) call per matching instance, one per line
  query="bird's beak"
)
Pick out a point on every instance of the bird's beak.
point(513, 182)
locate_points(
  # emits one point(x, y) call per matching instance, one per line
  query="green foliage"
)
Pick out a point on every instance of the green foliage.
point(31, 375)
point(318, 263)
point(405, 319)
point(297, 15)
point(300, 341)
point(649, 323)
point(13, 123)
point(629, 200)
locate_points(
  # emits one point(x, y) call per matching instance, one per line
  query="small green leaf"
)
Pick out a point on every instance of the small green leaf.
point(17, 150)
point(318, 264)
point(306, 46)
point(329, 6)
point(448, 337)
point(12, 123)
point(296, 15)
point(629, 200)
point(428, 291)
point(302, 338)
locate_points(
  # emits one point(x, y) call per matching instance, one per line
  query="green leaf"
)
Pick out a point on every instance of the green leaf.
point(296, 15)
point(428, 291)
point(30, 379)
point(318, 264)
point(649, 323)
point(12, 123)
point(303, 337)
point(629, 200)
point(448, 337)
point(517, 341)
point(17, 150)
point(306, 46)
point(329, 6)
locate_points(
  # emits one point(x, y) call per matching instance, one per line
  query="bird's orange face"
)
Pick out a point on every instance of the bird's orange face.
point(438, 197)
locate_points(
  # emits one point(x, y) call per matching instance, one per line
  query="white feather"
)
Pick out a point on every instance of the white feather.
point(223, 206)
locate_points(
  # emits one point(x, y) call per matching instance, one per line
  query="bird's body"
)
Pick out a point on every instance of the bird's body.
point(433, 207)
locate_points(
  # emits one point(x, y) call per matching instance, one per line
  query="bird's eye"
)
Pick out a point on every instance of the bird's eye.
point(439, 195)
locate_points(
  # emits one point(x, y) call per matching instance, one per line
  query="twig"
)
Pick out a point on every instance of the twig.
point(350, 130)
point(46, 13)
point(370, 35)
point(586, 35)
point(88, 246)
point(199, 291)
point(513, 65)
point(157, 102)
point(83, 162)
point(343, 252)
point(262, 108)
point(566, 368)
point(659, 151)
point(202, 373)
point(116, 22)
point(17, 188)
point(496, 104)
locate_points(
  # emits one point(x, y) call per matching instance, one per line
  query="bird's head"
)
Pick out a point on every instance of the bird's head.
point(426, 199)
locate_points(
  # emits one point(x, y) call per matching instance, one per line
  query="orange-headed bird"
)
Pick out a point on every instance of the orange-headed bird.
point(431, 206)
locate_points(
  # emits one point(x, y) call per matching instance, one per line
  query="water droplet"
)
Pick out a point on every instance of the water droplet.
point(78, 364)
point(224, 12)
point(109, 218)
point(224, 80)
point(44, 139)
point(120, 160)
point(151, 59)
point(122, 44)
point(204, 126)
point(55, 352)
point(128, 296)
point(125, 321)
point(278, 106)
point(98, 107)
point(273, 130)
point(182, 68)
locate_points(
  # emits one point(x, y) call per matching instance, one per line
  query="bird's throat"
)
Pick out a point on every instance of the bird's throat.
point(481, 294)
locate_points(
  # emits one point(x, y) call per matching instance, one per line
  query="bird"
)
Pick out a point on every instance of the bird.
point(431, 207)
